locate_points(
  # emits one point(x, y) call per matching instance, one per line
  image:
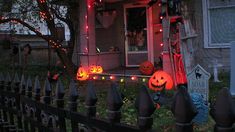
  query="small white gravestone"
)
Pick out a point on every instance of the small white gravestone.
point(198, 82)
point(232, 70)
point(215, 65)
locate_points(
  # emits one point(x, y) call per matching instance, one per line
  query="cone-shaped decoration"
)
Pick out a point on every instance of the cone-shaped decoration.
point(59, 89)
point(22, 85)
point(223, 111)
point(183, 107)
point(91, 97)
point(144, 103)
point(16, 79)
point(47, 88)
point(73, 92)
point(114, 98)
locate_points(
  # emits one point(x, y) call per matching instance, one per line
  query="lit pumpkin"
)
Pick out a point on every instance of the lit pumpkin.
point(92, 69)
point(99, 69)
point(160, 80)
point(82, 74)
point(146, 68)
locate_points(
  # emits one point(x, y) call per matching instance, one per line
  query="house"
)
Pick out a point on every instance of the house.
point(206, 30)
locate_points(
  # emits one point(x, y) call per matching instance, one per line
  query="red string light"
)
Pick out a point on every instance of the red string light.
point(42, 1)
point(161, 44)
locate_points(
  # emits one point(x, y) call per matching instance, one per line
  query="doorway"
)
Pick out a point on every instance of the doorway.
point(137, 44)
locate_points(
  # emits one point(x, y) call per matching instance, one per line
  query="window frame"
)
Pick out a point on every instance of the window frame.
point(207, 27)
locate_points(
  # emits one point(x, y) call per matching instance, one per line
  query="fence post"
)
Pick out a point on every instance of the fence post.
point(183, 110)
point(73, 96)
point(90, 102)
point(47, 101)
point(37, 90)
point(17, 91)
point(60, 103)
point(22, 92)
point(8, 102)
point(3, 120)
point(223, 112)
point(145, 108)
point(30, 112)
point(114, 103)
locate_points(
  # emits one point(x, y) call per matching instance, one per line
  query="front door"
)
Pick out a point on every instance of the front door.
point(136, 33)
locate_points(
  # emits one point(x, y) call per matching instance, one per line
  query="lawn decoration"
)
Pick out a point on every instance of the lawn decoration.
point(146, 68)
point(82, 74)
point(92, 69)
point(95, 69)
point(160, 80)
point(99, 69)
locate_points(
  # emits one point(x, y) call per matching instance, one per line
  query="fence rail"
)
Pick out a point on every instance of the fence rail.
point(25, 107)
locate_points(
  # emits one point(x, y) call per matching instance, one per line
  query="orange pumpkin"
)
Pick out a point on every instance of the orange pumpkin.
point(99, 69)
point(92, 69)
point(146, 68)
point(82, 74)
point(160, 80)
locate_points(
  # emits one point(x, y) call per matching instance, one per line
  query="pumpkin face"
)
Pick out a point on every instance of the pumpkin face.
point(99, 69)
point(82, 74)
point(146, 68)
point(160, 80)
point(92, 69)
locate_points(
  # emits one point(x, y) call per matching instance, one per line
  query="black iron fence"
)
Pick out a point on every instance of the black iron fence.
point(26, 107)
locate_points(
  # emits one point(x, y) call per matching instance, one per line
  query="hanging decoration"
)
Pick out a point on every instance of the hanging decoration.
point(146, 68)
point(82, 74)
point(160, 80)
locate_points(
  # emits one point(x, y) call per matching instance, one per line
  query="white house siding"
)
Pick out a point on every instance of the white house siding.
point(205, 56)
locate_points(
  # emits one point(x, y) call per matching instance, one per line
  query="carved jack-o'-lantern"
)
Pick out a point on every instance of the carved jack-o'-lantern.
point(146, 68)
point(160, 80)
point(82, 74)
point(99, 69)
point(92, 69)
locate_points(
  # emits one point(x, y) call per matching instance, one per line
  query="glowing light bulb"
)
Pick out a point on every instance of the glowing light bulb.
point(103, 78)
point(161, 44)
point(121, 80)
point(133, 78)
point(143, 80)
point(112, 77)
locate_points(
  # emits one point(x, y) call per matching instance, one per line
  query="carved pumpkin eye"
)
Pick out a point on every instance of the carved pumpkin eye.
point(162, 78)
point(154, 77)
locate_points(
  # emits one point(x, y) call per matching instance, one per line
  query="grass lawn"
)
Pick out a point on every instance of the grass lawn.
point(163, 118)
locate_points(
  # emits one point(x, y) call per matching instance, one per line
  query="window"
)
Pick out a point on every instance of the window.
point(219, 23)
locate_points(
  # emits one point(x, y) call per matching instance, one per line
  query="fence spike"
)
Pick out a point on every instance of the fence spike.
point(47, 87)
point(114, 102)
point(1, 81)
point(37, 88)
point(223, 111)
point(16, 78)
point(47, 92)
point(91, 100)
point(145, 108)
point(1, 77)
point(184, 110)
point(73, 96)
point(8, 77)
point(59, 89)
point(29, 87)
point(22, 85)
point(91, 97)
point(73, 92)
point(8, 82)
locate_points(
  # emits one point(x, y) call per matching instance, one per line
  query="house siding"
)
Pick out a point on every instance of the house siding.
point(205, 56)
